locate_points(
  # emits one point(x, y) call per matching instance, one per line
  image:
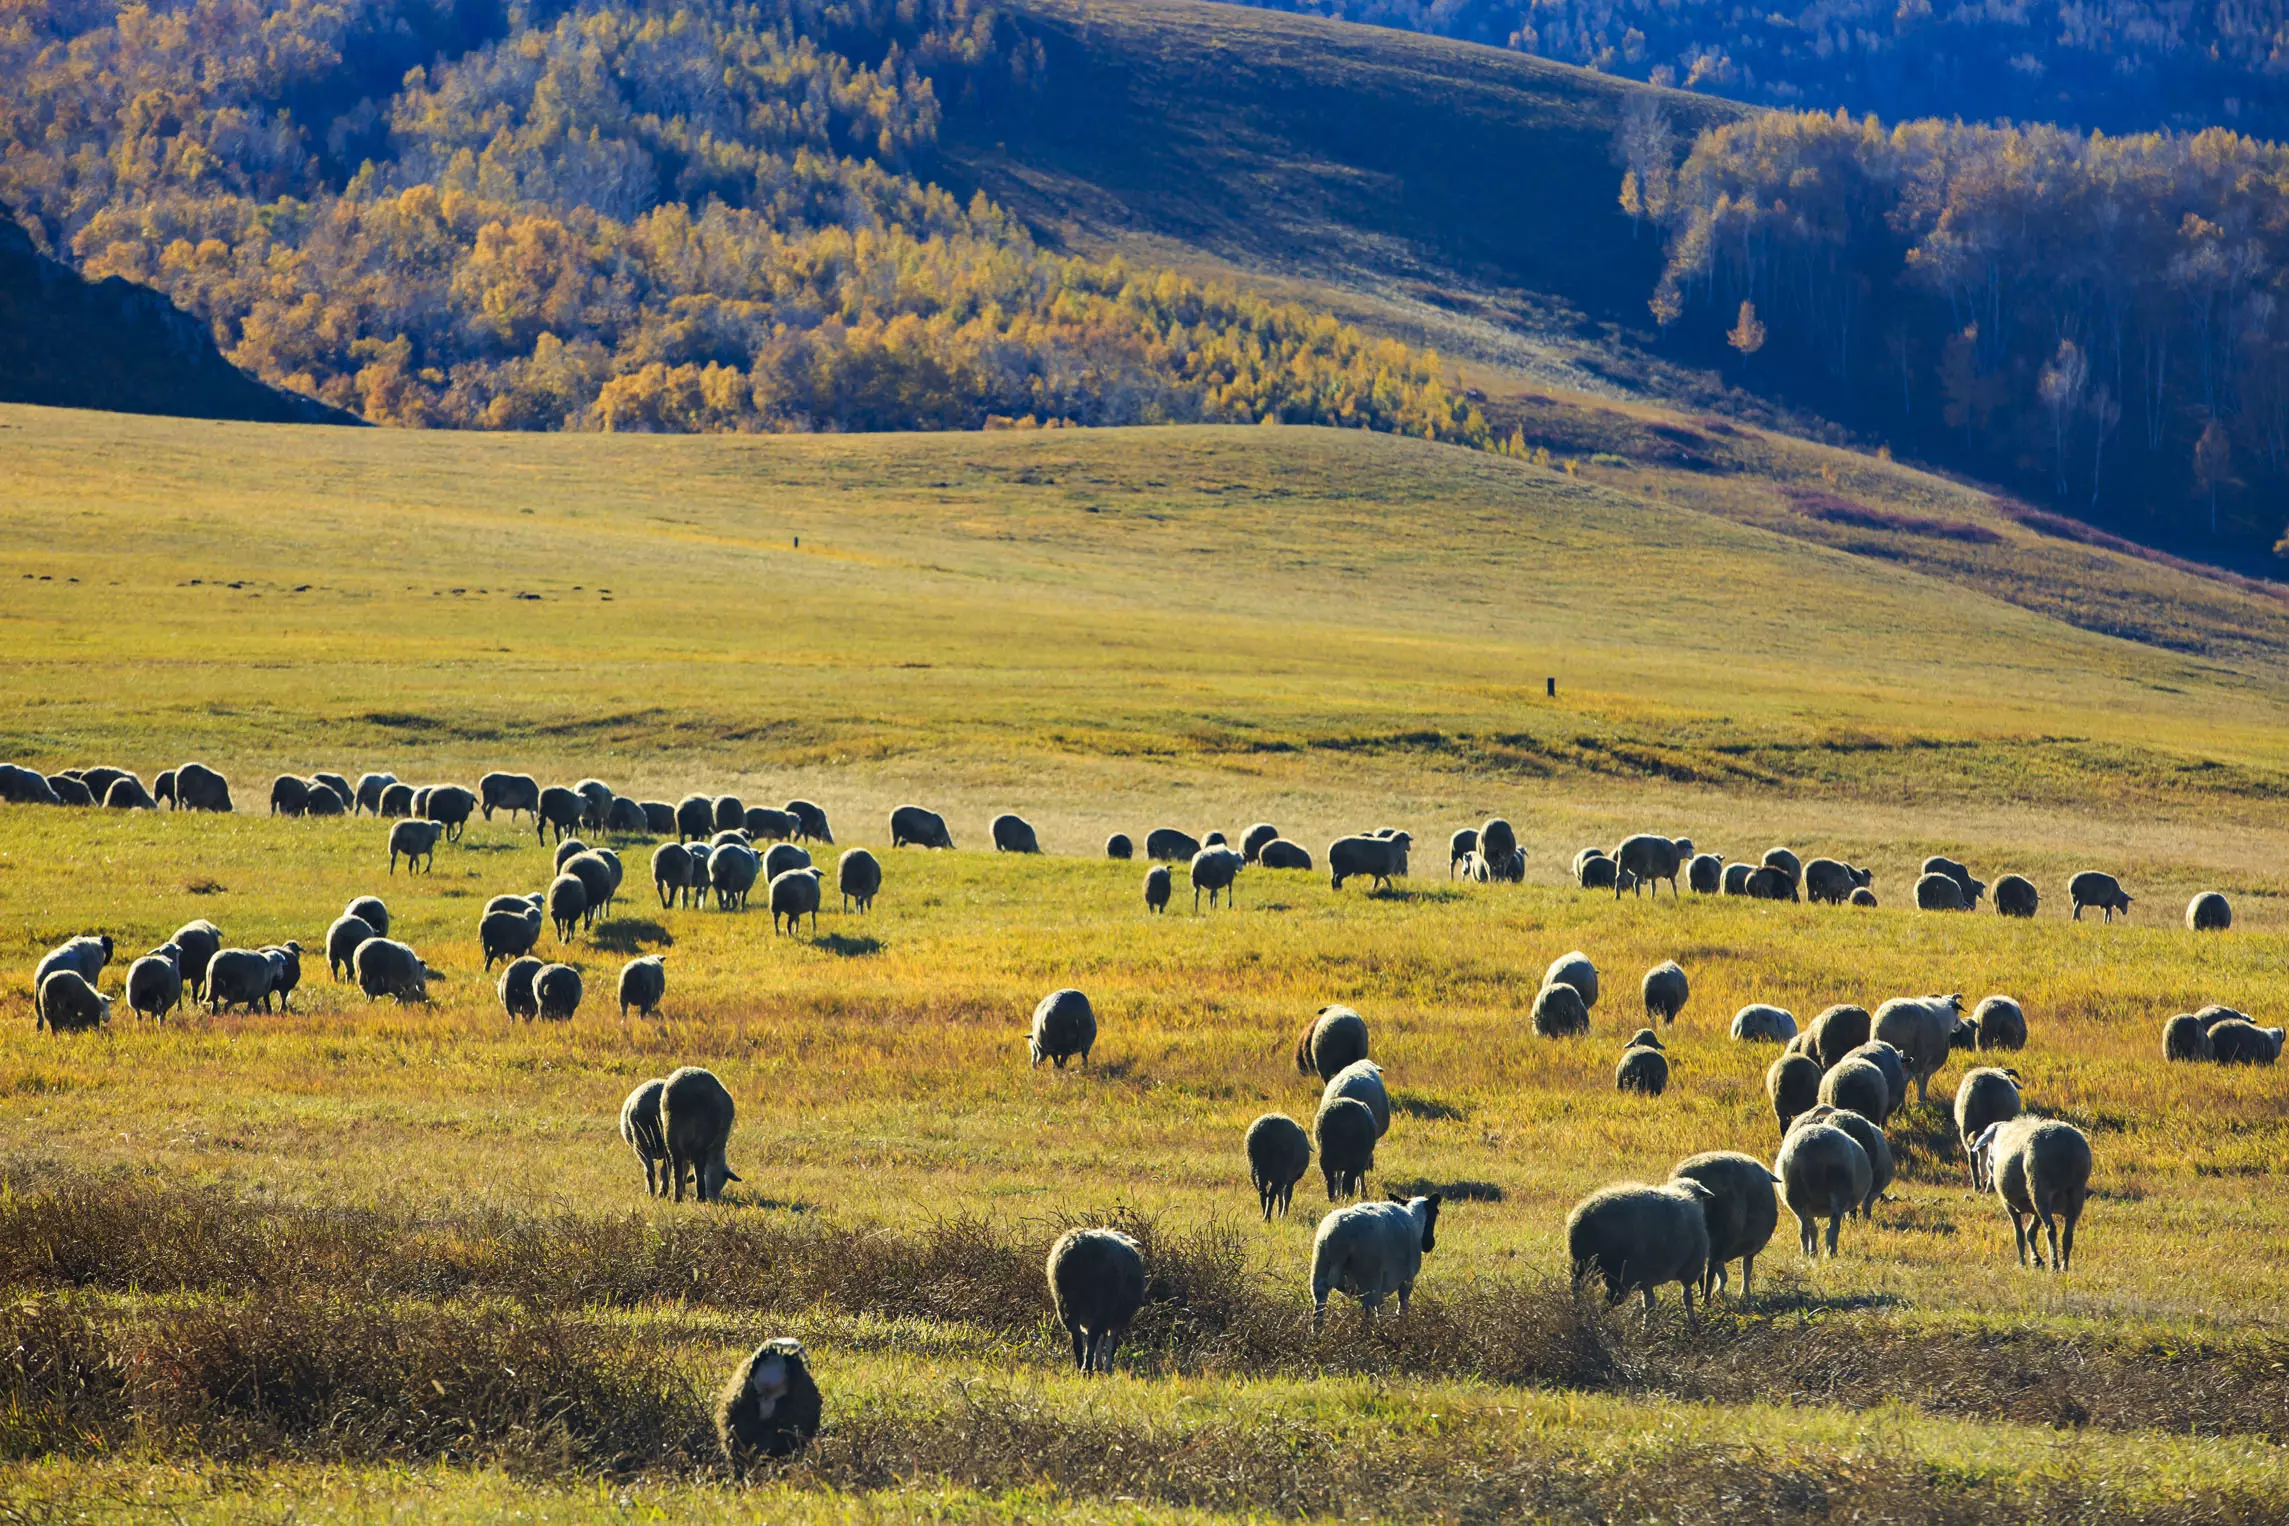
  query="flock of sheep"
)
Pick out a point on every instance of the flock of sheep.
point(1835, 1087)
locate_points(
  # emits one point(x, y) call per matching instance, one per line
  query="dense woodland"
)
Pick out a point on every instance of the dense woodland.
point(2117, 65)
point(697, 216)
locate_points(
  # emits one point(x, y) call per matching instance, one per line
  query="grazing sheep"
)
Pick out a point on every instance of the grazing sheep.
point(1118, 846)
point(1642, 1070)
point(560, 811)
point(1159, 884)
point(1064, 1025)
point(1972, 889)
point(198, 940)
point(1939, 892)
point(288, 957)
point(386, 968)
point(1860, 1085)
point(323, 802)
point(87, 954)
point(1769, 882)
point(1985, 1096)
point(1168, 845)
point(696, 1115)
point(624, 817)
point(1214, 870)
point(1097, 1284)
point(396, 800)
point(243, 977)
point(766, 825)
point(1760, 1023)
point(517, 996)
point(155, 983)
point(2016, 896)
point(23, 786)
point(1279, 1153)
point(1496, 839)
point(1560, 1012)
point(2091, 888)
point(924, 829)
point(1736, 880)
point(557, 990)
point(516, 903)
point(2236, 1042)
point(596, 799)
point(1650, 856)
point(810, 822)
point(1923, 1029)
point(695, 818)
point(1334, 1040)
point(2213, 1014)
point(859, 876)
point(451, 805)
point(1666, 991)
point(1574, 969)
point(2209, 912)
point(69, 791)
point(1824, 1174)
point(344, 795)
point(782, 857)
point(1379, 859)
point(416, 841)
point(68, 1002)
point(1999, 1023)
point(1741, 1212)
point(1893, 1064)
point(795, 893)
point(730, 811)
point(1793, 1084)
point(1869, 1136)
point(732, 869)
point(1362, 1081)
point(640, 1127)
point(1601, 873)
point(2041, 1171)
point(369, 793)
point(1462, 845)
point(567, 905)
point(1370, 1251)
point(1785, 861)
point(507, 792)
point(100, 779)
point(672, 870)
point(1863, 897)
point(769, 1407)
point(200, 788)
point(1839, 1030)
point(1635, 1238)
point(1346, 1132)
point(1801, 1044)
point(2185, 1037)
point(1213, 840)
point(1282, 854)
point(508, 934)
point(643, 982)
point(1706, 874)
point(1827, 880)
point(289, 795)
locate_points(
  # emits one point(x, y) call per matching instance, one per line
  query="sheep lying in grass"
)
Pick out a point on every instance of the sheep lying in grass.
point(1985, 1096)
point(1097, 1284)
point(1666, 991)
point(640, 1127)
point(769, 1407)
point(1064, 1025)
point(2041, 1171)
point(1741, 1212)
point(1279, 1153)
point(1636, 1237)
point(1335, 1038)
point(1824, 1174)
point(1370, 1251)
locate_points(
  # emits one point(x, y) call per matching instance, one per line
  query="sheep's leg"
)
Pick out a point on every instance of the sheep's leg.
point(1748, 1264)
point(1835, 1222)
point(2064, 1258)
point(2049, 1227)
point(676, 1173)
point(1808, 1236)
point(2019, 1234)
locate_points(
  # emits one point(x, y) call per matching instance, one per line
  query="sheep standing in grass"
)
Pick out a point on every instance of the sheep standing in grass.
point(2184, 1037)
point(811, 822)
point(199, 940)
point(1014, 834)
point(1924, 1029)
point(1985, 1096)
point(416, 842)
point(1999, 1023)
point(1648, 856)
point(696, 1115)
point(287, 959)
point(1158, 885)
point(640, 1127)
point(1740, 1213)
point(2016, 896)
point(1096, 1284)
point(560, 812)
point(342, 940)
point(1214, 870)
point(1666, 991)
point(731, 869)
point(498, 792)
point(1972, 889)
point(2209, 912)
point(518, 998)
point(1282, 854)
point(1888, 1060)
point(1939, 892)
point(155, 983)
point(1706, 874)
point(858, 874)
point(68, 1002)
point(289, 795)
point(504, 934)
point(243, 977)
point(1826, 880)
point(1768, 882)
point(1335, 1039)
point(1170, 846)
point(795, 894)
point(730, 811)
point(2239, 1042)
point(1839, 1030)
point(1642, 1069)
point(86, 954)
point(1362, 1081)
point(567, 905)
point(1871, 1139)
point(672, 870)
point(1377, 859)
point(1461, 846)
point(1761, 1023)
point(1793, 1084)
point(769, 1407)
point(1560, 1012)
point(1370, 1251)
point(388, 968)
point(2104, 891)
point(1064, 1025)
point(1574, 970)
point(1635, 1238)
point(1118, 846)
point(695, 818)
point(2041, 1171)
point(557, 989)
point(1279, 1153)
point(396, 800)
point(1858, 1085)
point(924, 829)
point(643, 982)
point(1345, 1130)
point(1824, 1174)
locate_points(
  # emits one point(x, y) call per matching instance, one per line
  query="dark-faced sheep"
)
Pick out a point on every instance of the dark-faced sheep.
point(1097, 1284)
point(1824, 1174)
point(1159, 884)
point(858, 874)
point(1761, 1023)
point(1335, 1039)
point(643, 984)
point(795, 895)
point(1642, 1070)
point(696, 1116)
point(1282, 854)
point(2041, 1171)
point(1377, 859)
point(557, 990)
point(2209, 912)
point(1999, 1023)
point(1741, 1212)
point(1634, 1238)
point(769, 1408)
point(783, 856)
point(516, 988)
point(1279, 1153)
point(1118, 846)
point(1370, 1251)
point(453, 806)
point(1923, 1029)
point(287, 957)
point(1984, 1096)
point(388, 968)
point(1666, 991)
point(1064, 1025)
point(2016, 896)
point(924, 829)
point(1560, 1012)
point(507, 934)
point(1215, 870)
point(243, 977)
point(596, 799)
point(69, 791)
point(68, 1002)
point(1793, 1084)
point(2104, 891)
point(25, 786)
point(155, 983)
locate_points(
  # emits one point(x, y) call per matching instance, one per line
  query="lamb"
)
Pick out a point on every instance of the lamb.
point(1371, 1250)
point(1666, 991)
point(416, 841)
point(2209, 912)
point(766, 825)
point(696, 1115)
point(1097, 1284)
point(1559, 1011)
point(1939, 892)
point(1635, 1238)
point(2236, 1042)
point(2041, 1171)
point(1826, 880)
point(1863, 896)
point(1118, 846)
point(1894, 1066)
point(503, 934)
point(1999, 1023)
point(2091, 888)
point(198, 940)
point(640, 1127)
point(1985, 1096)
point(1823, 1173)
point(1869, 1136)
point(567, 905)
point(516, 988)
point(387, 968)
point(1972, 889)
point(1462, 845)
point(730, 811)
point(396, 800)
point(2184, 1038)
point(1760, 1023)
point(200, 788)
point(1793, 1084)
point(1768, 882)
point(1214, 870)
point(2016, 896)
point(810, 822)
point(87, 954)
point(1923, 1029)
point(1642, 1069)
point(68, 1002)
point(672, 870)
point(858, 874)
point(769, 1407)
point(1064, 1025)
point(1334, 1040)
point(557, 990)
point(1158, 885)
point(1282, 854)
point(155, 983)
point(695, 818)
point(782, 857)
point(1379, 859)
point(1279, 1153)
point(1740, 1214)
point(642, 983)
point(924, 829)
point(1839, 1030)
point(1574, 969)
point(1859, 1085)
point(1346, 1132)
point(732, 869)
point(794, 894)
point(244, 977)
point(1649, 856)
point(560, 811)
point(1706, 874)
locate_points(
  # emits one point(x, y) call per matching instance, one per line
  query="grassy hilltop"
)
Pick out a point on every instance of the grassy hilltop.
point(364, 1260)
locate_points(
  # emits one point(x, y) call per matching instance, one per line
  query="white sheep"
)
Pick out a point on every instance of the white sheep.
point(1370, 1251)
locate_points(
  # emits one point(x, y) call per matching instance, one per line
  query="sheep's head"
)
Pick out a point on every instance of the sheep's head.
point(1684, 847)
point(770, 1372)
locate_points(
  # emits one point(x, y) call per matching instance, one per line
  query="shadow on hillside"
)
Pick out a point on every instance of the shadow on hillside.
point(847, 946)
point(1465, 1191)
point(1425, 1107)
point(1414, 893)
point(629, 935)
point(1767, 1303)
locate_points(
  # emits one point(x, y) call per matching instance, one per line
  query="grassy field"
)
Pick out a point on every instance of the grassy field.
point(363, 1261)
